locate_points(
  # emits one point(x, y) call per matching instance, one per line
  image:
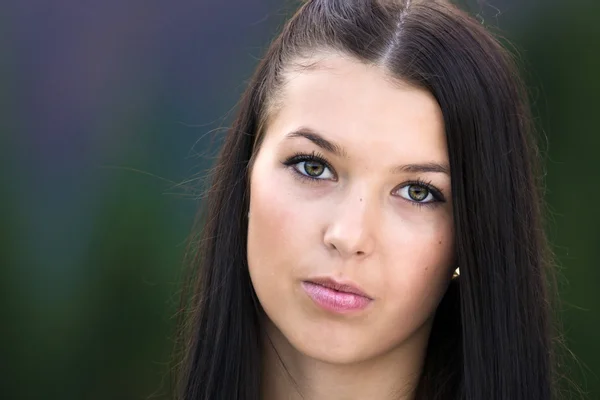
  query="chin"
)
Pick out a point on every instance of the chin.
point(341, 347)
point(340, 343)
point(340, 356)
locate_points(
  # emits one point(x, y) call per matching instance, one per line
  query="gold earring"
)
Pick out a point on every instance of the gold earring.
point(456, 273)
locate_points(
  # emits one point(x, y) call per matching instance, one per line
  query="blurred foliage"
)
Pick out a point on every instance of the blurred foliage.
point(107, 106)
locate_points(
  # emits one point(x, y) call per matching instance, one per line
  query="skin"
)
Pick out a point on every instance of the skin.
point(358, 222)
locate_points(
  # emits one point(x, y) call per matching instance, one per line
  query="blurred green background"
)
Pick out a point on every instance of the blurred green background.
point(107, 110)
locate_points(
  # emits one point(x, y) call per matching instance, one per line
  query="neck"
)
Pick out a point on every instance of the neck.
point(290, 375)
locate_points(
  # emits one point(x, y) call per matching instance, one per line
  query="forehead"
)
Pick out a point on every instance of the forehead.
point(357, 105)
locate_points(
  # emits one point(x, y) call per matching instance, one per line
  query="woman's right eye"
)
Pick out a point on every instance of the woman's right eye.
point(314, 169)
point(312, 166)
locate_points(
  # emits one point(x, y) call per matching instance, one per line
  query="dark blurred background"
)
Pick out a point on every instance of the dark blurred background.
point(107, 110)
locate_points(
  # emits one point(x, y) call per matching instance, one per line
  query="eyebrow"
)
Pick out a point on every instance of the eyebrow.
point(339, 151)
point(319, 140)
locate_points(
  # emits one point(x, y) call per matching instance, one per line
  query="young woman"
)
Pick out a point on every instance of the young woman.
point(381, 146)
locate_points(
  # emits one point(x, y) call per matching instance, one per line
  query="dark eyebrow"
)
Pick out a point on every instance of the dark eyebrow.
point(319, 140)
point(339, 151)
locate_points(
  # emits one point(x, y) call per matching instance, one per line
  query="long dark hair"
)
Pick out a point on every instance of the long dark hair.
point(492, 334)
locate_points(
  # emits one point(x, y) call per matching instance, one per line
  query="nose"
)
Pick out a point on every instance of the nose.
point(351, 229)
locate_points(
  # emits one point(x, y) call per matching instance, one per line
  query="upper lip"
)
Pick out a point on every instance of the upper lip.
point(340, 286)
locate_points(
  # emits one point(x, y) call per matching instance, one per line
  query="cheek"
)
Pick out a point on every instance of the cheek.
point(279, 232)
point(273, 223)
point(419, 276)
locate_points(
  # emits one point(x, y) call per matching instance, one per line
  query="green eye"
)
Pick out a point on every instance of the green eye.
point(418, 193)
point(313, 168)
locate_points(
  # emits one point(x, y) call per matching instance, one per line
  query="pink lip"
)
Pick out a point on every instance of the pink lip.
point(336, 297)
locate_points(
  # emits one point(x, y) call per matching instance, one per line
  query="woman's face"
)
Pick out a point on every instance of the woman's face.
point(351, 187)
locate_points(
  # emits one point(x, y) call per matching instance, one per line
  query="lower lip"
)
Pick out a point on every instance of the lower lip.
point(332, 300)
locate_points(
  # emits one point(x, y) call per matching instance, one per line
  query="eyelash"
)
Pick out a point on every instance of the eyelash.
point(314, 156)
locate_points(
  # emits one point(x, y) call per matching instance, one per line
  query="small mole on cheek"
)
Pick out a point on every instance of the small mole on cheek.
point(440, 242)
point(361, 199)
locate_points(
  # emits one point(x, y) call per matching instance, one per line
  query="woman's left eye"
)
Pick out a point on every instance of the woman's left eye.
point(419, 193)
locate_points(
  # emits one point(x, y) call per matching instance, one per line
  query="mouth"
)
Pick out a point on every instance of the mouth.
point(339, 286)
point(335, 296)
